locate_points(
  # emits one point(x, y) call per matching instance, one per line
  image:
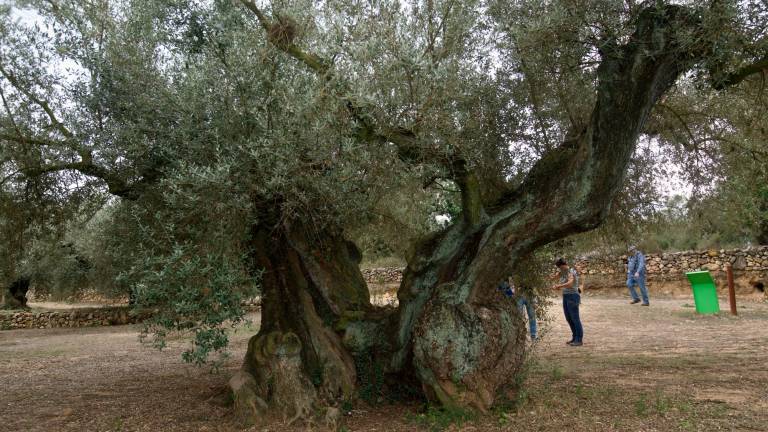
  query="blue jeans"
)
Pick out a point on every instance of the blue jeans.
point(639, 281)
point(571, 309)
point(523, 303)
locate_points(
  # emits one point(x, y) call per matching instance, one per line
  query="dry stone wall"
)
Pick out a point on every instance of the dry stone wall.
point(666, 276)
point(383, 275)
point(665, 271)
point(675, 264)
point(67, 318)
point(81, 296)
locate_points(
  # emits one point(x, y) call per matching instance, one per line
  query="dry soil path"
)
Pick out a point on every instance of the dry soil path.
point(658, 368)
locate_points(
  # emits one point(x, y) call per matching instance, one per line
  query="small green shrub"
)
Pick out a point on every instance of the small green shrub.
point(662, 403)
point(437, 419)
point(641, 407)
point(346, 405)
point(370, 377)
point(557, 373)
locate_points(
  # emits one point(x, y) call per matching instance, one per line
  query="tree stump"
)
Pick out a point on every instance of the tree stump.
point(16, 294)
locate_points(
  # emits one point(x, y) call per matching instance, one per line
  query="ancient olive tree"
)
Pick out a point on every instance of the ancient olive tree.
point(245, 139)
point(32, 210)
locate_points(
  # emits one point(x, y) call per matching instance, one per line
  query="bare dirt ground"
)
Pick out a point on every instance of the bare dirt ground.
point(661, 368)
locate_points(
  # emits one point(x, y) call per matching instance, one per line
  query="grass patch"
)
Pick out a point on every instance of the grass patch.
point(662, 403)
point(641, 407)
point(438, 419)
point(687, 425)
point(557, 373)
point(117, 425)
point(665, 406)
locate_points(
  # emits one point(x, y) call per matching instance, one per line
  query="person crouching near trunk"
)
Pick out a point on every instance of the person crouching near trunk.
point(569, 283)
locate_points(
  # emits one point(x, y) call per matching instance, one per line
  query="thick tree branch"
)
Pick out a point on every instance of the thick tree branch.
point(21, 139)
point(409, 148)
point(472, 207)
point(312, 61)
point(116, 185)
point(587, 170)
point(38, 101)
point(571, 188)
point(368, 129)
point(733, 78)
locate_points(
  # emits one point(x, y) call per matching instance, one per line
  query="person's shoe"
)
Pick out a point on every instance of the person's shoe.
point(569, 342)
point(575, 344)
point(635, 301)
point(645, 304)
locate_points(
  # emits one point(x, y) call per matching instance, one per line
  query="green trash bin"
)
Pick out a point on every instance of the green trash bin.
point(704, 292)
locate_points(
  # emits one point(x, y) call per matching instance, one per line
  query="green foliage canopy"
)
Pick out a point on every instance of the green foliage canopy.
point(194, 116)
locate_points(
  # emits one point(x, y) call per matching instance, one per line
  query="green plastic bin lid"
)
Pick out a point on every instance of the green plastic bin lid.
point(704, 292)
point(699, 277)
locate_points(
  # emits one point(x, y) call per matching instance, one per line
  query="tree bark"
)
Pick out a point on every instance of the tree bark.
point(465, 343)
point(312, 289)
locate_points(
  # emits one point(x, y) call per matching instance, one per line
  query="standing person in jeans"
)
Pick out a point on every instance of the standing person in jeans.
point(569, 283)
point(524, 299)
point(636, 275)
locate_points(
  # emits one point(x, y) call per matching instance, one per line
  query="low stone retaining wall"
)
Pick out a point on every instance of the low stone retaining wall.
point(666, 276)
point(383, 275)
point(82, 296)
point(678, 263)
point(666, 272)
point(68, 318)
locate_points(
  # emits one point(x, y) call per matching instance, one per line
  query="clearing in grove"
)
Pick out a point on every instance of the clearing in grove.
point(661, 368)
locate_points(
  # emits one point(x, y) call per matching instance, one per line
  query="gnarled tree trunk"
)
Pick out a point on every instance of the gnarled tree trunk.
point(465, 341)
point(451, 331)
point(311, 287)
point(461, 340)
point(318, 328)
